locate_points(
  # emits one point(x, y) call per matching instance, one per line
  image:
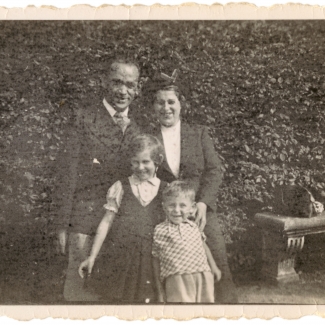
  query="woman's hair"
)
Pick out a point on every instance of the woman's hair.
point(152, 87)
point(173, 88)
point(147, 142)
point(178, 187)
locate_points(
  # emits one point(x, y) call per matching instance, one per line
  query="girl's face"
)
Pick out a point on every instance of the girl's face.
point(143, 166)
point(167, 107)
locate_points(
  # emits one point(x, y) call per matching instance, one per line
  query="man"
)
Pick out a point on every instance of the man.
point(94, 158)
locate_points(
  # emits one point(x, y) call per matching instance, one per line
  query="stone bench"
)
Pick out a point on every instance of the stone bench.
point(283, 239)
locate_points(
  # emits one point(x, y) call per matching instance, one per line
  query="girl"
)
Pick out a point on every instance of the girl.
point(126, 273)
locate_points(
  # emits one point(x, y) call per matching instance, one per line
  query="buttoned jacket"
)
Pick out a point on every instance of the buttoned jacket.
point(95, 156)
point(199, 163)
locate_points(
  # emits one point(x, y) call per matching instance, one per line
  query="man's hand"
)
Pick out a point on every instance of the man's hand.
point(201, 215)
point(62, 241)
point(86, 265)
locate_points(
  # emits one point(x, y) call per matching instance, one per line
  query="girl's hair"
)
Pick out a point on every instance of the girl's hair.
point(147, 142)
point(176, 188)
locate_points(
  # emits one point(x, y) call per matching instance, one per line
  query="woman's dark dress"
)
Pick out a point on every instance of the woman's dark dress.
point(200, 165)
point(123, 273)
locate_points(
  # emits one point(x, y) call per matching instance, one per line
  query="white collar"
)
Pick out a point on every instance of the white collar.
point(155, 181)
point(112, 111)
point(187, 221)
point(175, 128)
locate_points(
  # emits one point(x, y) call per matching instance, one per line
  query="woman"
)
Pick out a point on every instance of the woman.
point(190, 155)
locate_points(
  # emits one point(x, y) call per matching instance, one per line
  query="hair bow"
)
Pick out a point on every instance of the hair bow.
point(171, 78)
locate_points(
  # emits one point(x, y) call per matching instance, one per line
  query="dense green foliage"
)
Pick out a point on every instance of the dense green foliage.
point(259, 86)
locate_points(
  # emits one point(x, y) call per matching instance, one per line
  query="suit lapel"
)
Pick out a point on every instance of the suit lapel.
point(158, 135)
point(101, 126)
point(103, 120)
point(132, 127)
point(98, 116)
point(188, 143)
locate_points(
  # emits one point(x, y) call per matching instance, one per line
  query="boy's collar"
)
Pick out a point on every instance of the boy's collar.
point(191, 223)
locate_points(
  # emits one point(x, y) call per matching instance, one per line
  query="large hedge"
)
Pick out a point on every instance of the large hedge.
point(258, 85)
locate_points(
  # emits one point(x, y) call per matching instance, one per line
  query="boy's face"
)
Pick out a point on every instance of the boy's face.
point(178, 208)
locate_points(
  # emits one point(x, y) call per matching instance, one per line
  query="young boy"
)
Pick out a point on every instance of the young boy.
point(184, 268)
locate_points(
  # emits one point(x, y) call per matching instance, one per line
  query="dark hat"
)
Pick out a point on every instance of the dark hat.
point(161, 81)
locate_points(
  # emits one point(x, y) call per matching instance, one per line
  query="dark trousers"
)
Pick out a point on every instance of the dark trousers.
point(225, 289)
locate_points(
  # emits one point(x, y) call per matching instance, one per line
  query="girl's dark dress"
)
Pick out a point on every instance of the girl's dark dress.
point(123, 273)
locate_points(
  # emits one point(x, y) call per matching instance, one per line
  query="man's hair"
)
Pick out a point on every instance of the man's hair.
point(147, 142)
point(123, 60)
point(176, 188)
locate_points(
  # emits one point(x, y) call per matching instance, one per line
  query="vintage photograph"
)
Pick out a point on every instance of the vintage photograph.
point(162, 162)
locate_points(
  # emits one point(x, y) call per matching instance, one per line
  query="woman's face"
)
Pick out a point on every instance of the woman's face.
point(167, 107)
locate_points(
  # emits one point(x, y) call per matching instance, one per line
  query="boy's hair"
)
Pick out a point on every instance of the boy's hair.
point(178, 187)
point(146, 141)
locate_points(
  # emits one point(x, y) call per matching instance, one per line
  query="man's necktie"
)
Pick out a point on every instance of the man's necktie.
point(121, 121)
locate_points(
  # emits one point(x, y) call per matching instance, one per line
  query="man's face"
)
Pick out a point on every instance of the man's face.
point(122, 86)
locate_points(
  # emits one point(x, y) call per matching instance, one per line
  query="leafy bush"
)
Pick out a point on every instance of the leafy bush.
point(258, 85)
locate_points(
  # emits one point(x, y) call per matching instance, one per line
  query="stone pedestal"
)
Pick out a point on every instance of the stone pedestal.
point(283, 239)
point(279, 256)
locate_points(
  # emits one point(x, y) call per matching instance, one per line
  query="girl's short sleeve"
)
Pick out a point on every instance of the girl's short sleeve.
point(114, 197)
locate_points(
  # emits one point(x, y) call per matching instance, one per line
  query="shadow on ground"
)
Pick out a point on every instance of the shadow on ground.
point(32, 273)
point(309, 290)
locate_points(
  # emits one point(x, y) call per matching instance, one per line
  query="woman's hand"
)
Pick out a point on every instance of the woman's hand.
point(201, 215)
point(86, 265)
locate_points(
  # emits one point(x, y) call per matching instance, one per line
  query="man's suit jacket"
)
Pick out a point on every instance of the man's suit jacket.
point(199, 163)
point(95, 156)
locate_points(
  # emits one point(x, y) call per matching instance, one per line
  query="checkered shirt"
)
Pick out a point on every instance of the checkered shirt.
point(179, 249)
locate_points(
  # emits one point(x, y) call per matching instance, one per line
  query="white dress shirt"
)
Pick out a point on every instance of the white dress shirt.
point(112, 111)
point(172, 144)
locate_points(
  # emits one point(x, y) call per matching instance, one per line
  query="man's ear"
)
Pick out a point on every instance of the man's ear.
point(161, 159)
point(141, 83)
point(139, 87)
point(137, 91)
